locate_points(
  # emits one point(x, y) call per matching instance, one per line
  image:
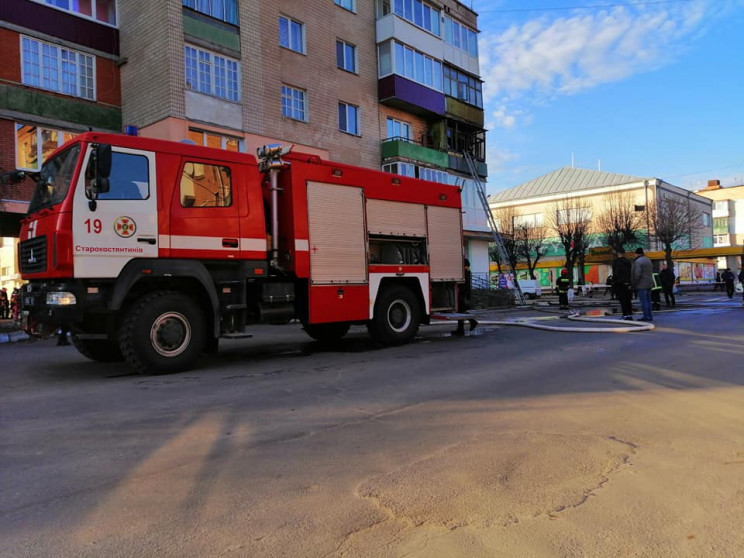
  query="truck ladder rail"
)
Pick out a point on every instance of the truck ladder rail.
point(497, 240)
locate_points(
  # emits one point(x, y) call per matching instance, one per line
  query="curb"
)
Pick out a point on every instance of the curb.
point(13, 336)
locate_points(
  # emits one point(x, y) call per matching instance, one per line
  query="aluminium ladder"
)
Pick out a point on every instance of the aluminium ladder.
point(497, 240)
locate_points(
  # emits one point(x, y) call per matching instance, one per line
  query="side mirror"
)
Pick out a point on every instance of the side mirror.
point(102, 154)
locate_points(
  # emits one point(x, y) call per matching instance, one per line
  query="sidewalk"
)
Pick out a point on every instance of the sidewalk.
point(10, 331)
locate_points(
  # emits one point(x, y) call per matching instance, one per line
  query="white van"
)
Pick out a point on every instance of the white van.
point(530, 288)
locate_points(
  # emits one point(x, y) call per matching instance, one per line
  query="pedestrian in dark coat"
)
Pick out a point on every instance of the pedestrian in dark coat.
point(728, 280)
point(463, 300)
point(667, 285)
point(621, 275)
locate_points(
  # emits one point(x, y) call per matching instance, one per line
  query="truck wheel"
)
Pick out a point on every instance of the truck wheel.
point(162, 333)
point(326, 333)
point(98, 350)
point(397, 316)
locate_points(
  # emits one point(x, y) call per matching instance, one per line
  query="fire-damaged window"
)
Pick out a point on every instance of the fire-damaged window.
point(204, 185)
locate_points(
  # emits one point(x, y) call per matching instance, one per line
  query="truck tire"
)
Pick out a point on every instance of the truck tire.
point(397, 316)
point(326, 333)
point(162, 333)
point(98, 350)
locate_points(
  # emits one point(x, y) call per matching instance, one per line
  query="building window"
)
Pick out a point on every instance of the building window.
point(205, 185)
point(433, 175)
point(459, 36)
point(224, 10)
point(721, 239)
point(210, 139)
point(706, 220)
point(35, 144)
point(397, 130)
point(574, 215)
point(403, 169)
point(346, 58)
point(99, 10)
point(294, 104)
point(410, 64)
point(529, 221)
point(462, 86)
point(211, 74)
point(348, 4)
point(348, 118)
point(292, 34)
point(417, 12)
point(58, 69)
point(720, 205)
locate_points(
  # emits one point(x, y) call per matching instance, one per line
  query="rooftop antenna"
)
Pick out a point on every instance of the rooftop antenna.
point(599, 165)
point(572, 160)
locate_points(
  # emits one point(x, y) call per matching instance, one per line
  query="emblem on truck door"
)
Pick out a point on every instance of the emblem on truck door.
point(124, 226)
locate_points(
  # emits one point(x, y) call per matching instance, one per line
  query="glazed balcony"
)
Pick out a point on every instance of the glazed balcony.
point(404, 94)
point(407, 149)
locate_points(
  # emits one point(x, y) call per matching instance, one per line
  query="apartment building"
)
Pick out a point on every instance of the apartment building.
point(589, 191)
point(384, 84)
point(59, 76)
point(728, 221)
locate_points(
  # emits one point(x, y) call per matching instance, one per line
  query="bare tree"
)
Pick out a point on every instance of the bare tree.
point(505, 220)
point(529, 245)
point(570, 218)
point(618, 222)
point(673, 220)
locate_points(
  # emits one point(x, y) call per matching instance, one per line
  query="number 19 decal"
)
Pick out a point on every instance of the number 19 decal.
point(94, 226)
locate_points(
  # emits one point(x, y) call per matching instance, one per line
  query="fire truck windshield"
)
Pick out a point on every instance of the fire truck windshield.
point(54, 179)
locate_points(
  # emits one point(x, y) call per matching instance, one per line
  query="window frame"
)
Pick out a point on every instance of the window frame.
point(456, 33)
point(92, 17)
point(342, 56)
point(291, 99)
point(290, 22)
point(351, 5)
point(410, 9)
point(394, 122)
point(407, 62)
point(44, 51)
point(229, 8)
point(197, 163)
point(63, 136)
point(224, 139)
point(349, 111)
point(205, 69)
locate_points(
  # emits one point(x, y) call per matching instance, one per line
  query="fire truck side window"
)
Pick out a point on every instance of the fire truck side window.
point(204, 185)
point(129, 178)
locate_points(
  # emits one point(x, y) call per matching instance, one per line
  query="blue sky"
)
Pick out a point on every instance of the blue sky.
point(651, 89)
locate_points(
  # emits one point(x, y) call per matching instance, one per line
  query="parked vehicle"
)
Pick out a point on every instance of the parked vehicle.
point(151, 251)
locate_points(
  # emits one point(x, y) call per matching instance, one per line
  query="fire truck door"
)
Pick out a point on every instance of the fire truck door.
point(123, 222)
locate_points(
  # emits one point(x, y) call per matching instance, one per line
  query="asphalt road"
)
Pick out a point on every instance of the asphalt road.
point(512, 442)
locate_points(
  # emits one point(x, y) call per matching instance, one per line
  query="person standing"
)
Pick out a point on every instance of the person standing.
point(718, 282)
point(642, 281)
point(562, 284)
point(741, 281)
point(621, 275)
point(3, 303)
point(667, 285)
point(728, 280)
point(656, 292)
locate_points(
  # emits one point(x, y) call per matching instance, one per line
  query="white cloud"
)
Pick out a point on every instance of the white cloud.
point(543, 58)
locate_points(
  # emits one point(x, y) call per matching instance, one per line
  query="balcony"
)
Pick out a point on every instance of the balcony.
point(463, 111)
point(458, 163)
point(402, 148)
point(404, 94)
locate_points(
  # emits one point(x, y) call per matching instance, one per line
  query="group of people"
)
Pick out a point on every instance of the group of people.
point(727, 279)
point(627, 278)
point(9, 305)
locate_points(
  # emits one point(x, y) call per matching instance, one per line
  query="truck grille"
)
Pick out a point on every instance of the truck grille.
point(33, 256)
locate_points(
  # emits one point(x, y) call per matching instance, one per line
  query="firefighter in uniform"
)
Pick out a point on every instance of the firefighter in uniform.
point(562, 284)
point(656, 292)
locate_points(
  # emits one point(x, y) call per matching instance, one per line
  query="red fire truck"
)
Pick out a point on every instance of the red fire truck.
point(151, 251)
